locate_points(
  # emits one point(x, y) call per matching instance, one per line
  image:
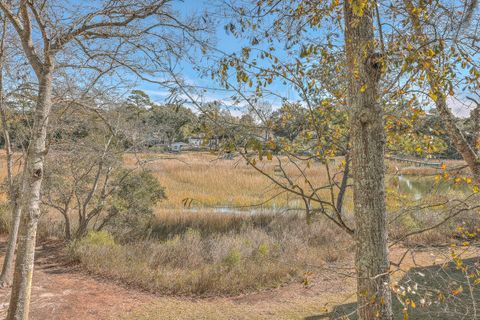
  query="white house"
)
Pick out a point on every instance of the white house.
point(196, 142)
point(178, 146)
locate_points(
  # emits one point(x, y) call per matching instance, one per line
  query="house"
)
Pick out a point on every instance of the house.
point(198, 142)
point(195, 142)
point(178, 146)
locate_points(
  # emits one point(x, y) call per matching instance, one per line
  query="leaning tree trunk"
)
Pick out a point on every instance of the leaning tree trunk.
point(467, 152)
point(475, 116)
point(461, 144)
point(6, 275)
point(364, 67)
point(22, 280)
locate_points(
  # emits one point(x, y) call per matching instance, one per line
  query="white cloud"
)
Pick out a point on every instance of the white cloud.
point(460, 107)
point(157, 93)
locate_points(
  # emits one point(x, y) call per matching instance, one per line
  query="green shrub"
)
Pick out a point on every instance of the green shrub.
point(97, 238)
point(91, 241)
point(233, 258)
point(263, 250)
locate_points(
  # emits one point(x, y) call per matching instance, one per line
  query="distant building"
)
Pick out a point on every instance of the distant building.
point(198, 142)
point(178, 146)
point(195, 142)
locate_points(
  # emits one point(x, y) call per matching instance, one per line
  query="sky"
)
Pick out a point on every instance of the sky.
point(225, 42)
point(230, 44)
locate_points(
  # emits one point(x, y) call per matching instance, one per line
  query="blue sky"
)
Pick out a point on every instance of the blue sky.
point(225, 42)
point(230, 44)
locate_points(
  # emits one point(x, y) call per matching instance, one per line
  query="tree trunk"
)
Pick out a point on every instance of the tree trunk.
point(459, 141)
point(68, 227)
point(368, 169)
point(475, 116)
point(24, 264)
point(456, 136)
point(6, 276)
point(82, 225)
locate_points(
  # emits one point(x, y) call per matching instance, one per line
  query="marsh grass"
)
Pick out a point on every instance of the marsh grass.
point(237, 255)
point(213, 182)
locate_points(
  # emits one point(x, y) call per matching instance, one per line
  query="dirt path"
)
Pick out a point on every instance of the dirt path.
point(61, 292)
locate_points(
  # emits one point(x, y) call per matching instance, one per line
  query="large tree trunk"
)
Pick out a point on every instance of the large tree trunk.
point(368, 169)
point(22, 280)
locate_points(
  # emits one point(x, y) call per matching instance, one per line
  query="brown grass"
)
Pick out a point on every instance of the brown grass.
point(227, 262)
point(214, 182)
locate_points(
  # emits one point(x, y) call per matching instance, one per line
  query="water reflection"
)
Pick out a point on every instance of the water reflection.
point(419, 187)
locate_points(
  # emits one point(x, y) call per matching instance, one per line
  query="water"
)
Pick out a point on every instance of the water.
point(237, 210)
point(419, 187)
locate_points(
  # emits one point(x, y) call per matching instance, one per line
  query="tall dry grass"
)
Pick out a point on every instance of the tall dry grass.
point(214, 182)
point(235, 255)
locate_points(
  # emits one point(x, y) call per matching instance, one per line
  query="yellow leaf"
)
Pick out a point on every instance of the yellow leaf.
point(457, 291)
point(413, 304)
point(363, 88)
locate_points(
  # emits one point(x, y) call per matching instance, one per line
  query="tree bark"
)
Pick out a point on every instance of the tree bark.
point(365, 67)
point(24, 264)
point(7, 268)
point(475, 116)
point(68, 227)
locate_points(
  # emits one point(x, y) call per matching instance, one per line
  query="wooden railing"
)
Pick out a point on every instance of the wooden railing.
point(419, 163)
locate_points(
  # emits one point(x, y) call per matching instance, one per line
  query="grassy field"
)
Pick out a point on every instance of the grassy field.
point(215, 182)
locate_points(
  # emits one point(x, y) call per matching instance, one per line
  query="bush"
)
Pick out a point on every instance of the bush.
point(97, 238)
point(94, 240)
point(132, 204)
